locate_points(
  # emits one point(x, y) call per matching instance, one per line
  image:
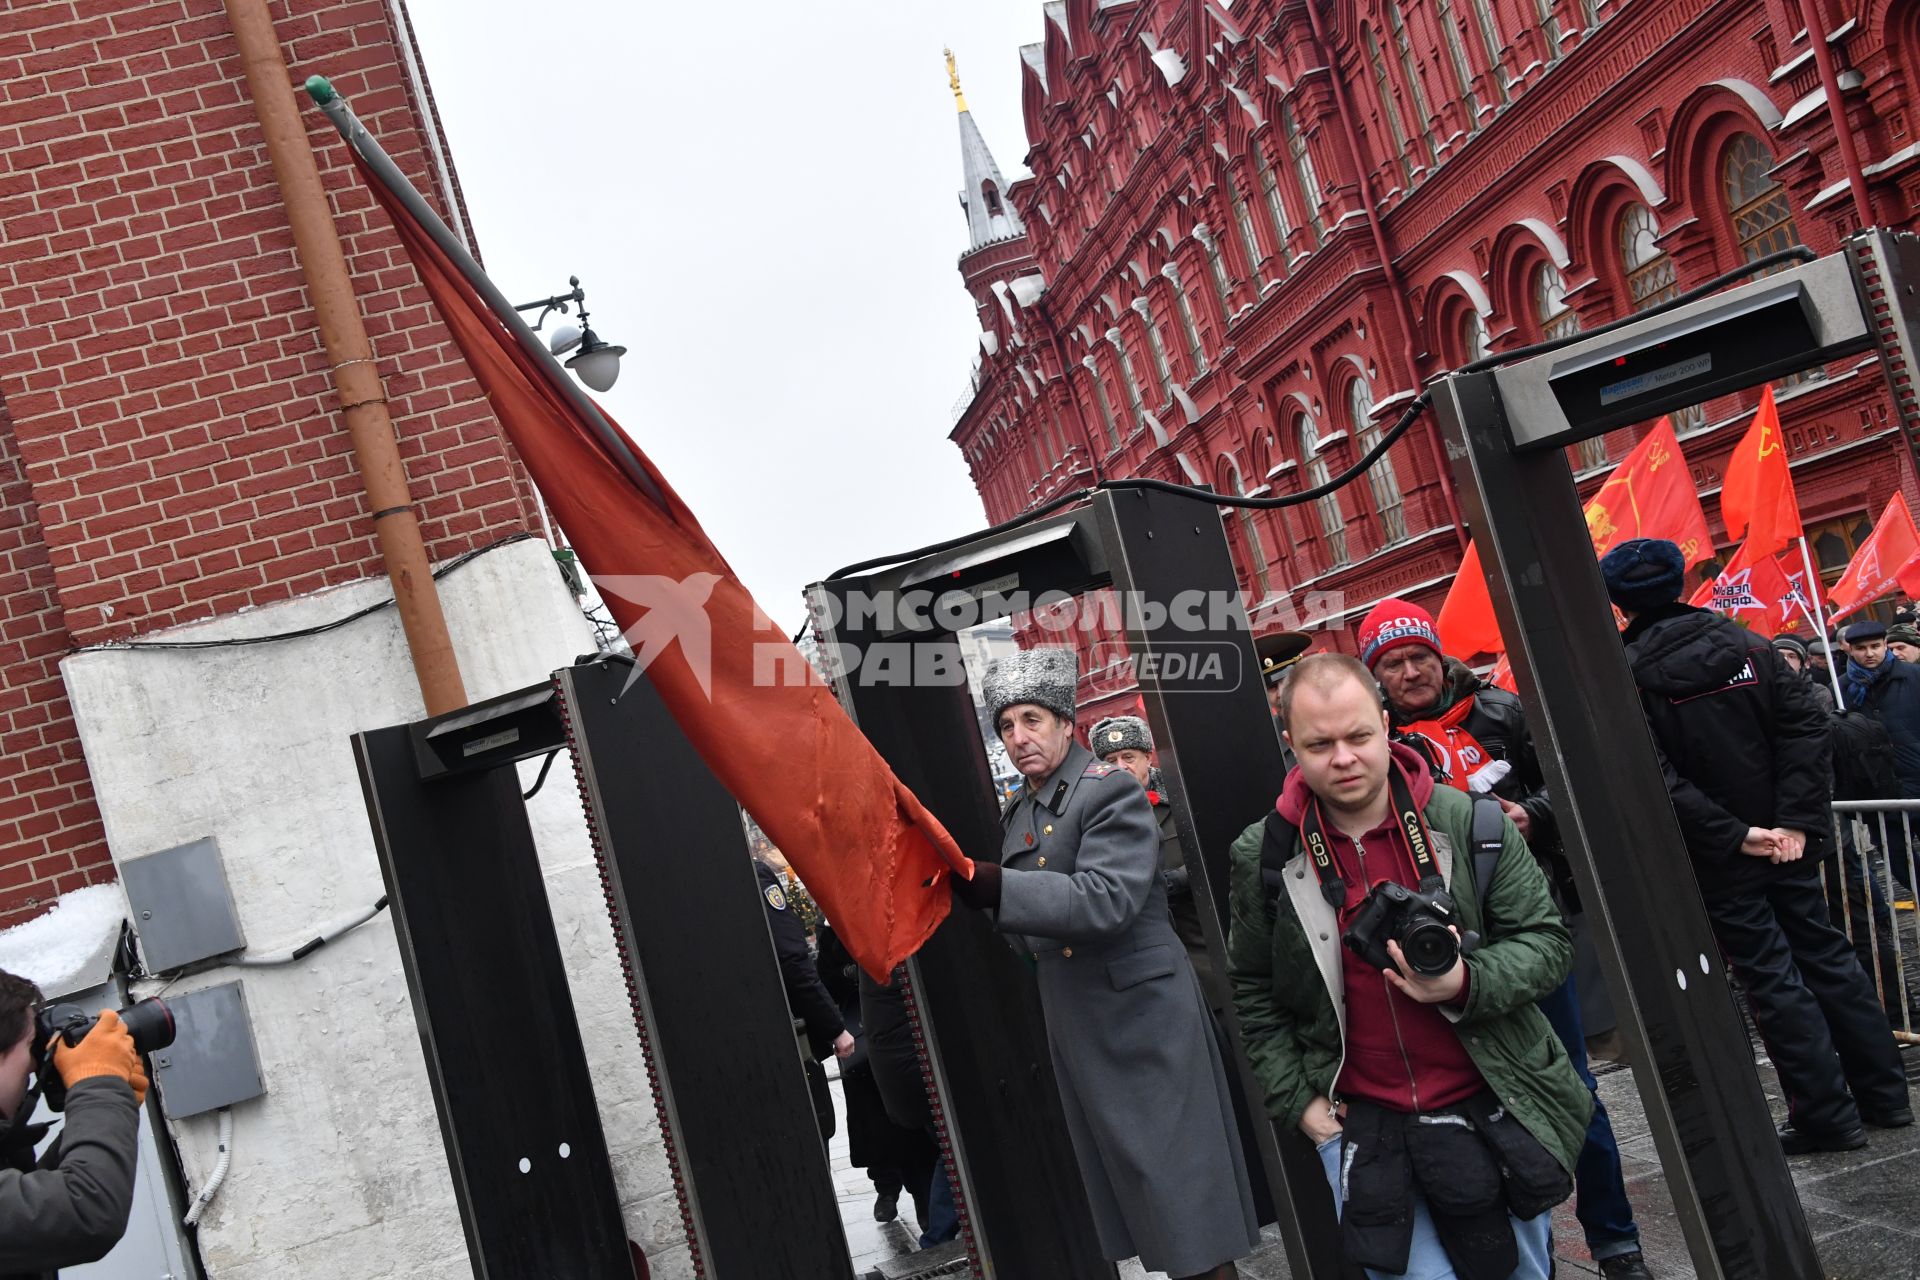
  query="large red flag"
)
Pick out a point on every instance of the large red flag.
point(1756, 495)
point(1752, 590)
point(1649, 495)
point(870, 854)
point(1889, 558)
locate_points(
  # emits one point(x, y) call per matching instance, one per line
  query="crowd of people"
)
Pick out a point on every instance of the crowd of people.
point(1403, 931)
point(1404, 925)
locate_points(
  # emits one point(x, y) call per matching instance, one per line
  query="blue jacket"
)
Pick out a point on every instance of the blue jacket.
point(1894, 700)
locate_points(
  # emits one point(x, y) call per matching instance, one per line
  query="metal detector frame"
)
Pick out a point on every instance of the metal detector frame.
point(1220, 756)
point(496, 1018)
point(1506, 429)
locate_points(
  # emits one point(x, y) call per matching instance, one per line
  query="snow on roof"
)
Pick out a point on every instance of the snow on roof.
point(71, 947)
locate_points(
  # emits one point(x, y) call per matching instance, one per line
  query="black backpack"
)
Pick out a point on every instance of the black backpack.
point(1862, 757)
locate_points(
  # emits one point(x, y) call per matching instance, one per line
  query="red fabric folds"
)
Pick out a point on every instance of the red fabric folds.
point(871, 855)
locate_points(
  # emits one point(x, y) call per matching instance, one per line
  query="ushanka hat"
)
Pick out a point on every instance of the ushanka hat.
point(1119, 733)
point(1045, 677)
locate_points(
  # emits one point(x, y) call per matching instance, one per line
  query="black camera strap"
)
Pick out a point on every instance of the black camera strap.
point(1413, 829)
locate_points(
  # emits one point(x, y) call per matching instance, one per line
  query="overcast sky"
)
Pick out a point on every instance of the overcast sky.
point(760, 199)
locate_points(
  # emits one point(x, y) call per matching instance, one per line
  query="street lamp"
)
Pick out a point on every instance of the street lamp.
point(598, 363)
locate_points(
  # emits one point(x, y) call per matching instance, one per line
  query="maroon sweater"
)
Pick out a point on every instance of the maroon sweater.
point(1401, 1054)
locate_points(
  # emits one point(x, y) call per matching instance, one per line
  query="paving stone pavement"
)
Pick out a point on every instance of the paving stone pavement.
point(1863, 1206)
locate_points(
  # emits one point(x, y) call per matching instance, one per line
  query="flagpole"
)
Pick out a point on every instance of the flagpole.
point(369, 149)
point(1820, 621)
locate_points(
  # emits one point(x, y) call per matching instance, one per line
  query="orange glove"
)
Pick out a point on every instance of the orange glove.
point(107, 1050)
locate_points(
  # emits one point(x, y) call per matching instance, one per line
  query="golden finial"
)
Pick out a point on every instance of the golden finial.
point(953, 81)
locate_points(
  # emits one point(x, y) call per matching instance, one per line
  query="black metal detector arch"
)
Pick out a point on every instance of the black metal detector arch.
point(1506, 430)
point(890, 636)
point(496, 1019)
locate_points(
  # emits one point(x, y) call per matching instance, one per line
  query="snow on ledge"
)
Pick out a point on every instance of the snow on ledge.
point(71, 947)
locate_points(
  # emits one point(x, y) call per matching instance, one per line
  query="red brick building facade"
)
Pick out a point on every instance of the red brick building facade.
point(171, 447)
point(1251, 236)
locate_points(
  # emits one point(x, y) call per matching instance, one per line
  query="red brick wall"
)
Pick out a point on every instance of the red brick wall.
point(175, 448)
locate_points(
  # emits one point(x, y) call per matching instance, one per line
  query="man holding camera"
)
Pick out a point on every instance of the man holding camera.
point(1446, 1114)
point(71, 1207)
point(1475, 738)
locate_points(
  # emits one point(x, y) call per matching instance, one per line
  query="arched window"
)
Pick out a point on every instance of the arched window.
point(1548, 289)
point(1276, 207)
point(1550, 309)
point(1490, 37)
point(1384, 88)
point(1261, 580)
point(1100, 399)
point(1651, 280)
point(1462, 69)
point(1474, 342)
point(1303, 170)
point(1333, 525)
point(1549, 24)
point(1216, 269)
point(1184, 305)
point(992, 194)
point(1243, 219)
point(1423, 113)
point(1762, 218)
point(1757, 205)
point(1381, 478)
point(1649, 271)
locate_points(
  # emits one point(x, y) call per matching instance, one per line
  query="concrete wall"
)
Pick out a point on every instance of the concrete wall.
point(339, 1172)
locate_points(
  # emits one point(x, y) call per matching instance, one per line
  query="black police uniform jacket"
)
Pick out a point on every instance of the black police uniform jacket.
point(1743, 743)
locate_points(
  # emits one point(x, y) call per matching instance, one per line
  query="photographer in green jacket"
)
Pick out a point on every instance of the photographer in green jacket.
point(1444, 1109)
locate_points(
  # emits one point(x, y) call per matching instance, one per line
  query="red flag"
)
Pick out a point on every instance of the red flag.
point(1798, 602)
point(1752, 591)
point(1756, 495)
point(771, 731)
point(1889, 558)
point(1649, 495)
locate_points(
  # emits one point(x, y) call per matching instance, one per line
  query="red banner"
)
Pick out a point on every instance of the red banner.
point(1649, 495)
point(1753, 591)
point(870, 854)
point(1889, 558)
point(1756, 496)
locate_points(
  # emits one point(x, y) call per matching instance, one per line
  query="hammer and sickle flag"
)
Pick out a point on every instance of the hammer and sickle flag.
point(868, 851)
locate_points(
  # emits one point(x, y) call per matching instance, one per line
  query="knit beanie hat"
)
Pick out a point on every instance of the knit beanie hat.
point(1793, 645)
point(1045, 677)
point(1392, 623)
point(1118, 733)
point(1644, 573)
point(1905, 633)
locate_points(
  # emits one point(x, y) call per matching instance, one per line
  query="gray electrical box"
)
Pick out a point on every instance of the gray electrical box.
point(180, 905)
point(211, 1062)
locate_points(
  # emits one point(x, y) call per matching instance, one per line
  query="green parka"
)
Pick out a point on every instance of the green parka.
point(1290, 997)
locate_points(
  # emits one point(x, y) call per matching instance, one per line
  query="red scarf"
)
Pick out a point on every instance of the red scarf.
point(1453, 751)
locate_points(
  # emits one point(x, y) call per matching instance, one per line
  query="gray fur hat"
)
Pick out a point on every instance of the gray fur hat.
point(1045, 677)
point(1118, 733)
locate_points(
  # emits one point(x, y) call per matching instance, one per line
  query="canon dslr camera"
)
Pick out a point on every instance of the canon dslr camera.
point(149, 1022)
point(1418, 921)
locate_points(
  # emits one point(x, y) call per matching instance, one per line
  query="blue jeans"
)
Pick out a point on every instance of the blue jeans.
point(1428, 1259)
point(943, 1220)
point(1600, 1189)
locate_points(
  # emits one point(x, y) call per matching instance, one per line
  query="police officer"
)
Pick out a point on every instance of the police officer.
point(807, 997)
point(1278, 651)
point(1140, 1074)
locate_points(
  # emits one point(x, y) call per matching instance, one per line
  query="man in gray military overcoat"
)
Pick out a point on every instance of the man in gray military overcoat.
point(1141, 1079)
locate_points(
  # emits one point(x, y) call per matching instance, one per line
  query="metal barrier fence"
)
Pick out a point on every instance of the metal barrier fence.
point(1870, 893)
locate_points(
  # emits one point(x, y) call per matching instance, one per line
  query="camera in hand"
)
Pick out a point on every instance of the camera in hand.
point(1417, 921)
point(149, 1022)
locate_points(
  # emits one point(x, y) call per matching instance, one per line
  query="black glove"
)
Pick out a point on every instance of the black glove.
point(1179, 882)
point(982, 893)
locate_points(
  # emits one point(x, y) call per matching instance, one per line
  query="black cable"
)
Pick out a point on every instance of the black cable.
point(1798, 253)
point(541, 780)
point(240, 641)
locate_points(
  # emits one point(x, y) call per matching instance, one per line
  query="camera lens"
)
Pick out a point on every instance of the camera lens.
point(1430, 948)
point(150, 1023)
